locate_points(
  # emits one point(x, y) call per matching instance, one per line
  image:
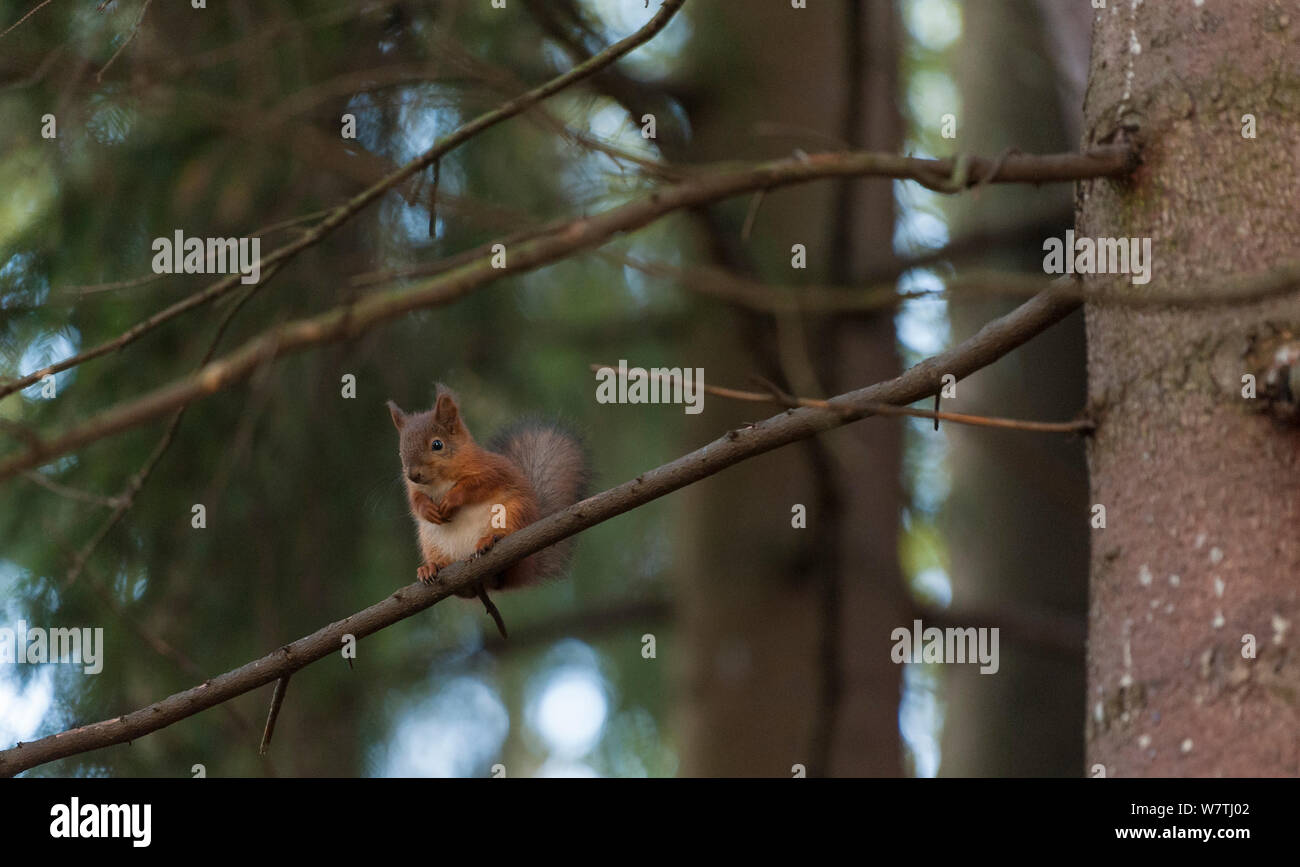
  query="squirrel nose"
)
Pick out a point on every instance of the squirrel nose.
point(413, 475)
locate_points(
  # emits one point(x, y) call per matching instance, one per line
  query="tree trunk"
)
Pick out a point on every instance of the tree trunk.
point(1198, 559)
point(783, 628)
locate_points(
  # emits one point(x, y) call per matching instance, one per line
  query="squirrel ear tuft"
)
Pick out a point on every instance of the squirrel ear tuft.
point(445, 411)
point(399, 417)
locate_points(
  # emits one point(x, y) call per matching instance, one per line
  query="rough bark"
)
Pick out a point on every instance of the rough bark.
point(1202, 493)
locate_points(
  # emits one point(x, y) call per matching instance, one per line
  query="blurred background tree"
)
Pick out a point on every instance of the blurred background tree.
point(771, 642)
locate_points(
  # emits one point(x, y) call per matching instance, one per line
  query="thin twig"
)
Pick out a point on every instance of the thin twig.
point(751, 215)
point(71, 493)
point(99, 76)
point(993, 171)
point(277, 699)
point(291, 222)
point(94, 288)
point(32, 12)
point(783, 398)
point(491, 609)
point(441, 266)
point(42, 69)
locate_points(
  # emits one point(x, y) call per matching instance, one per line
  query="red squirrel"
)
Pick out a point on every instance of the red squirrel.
point(465, 498)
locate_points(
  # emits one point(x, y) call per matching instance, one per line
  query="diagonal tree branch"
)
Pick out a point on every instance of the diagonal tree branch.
point(338, 216)
point(774, 394)
point(992, 342)
point(30, 13)
point(135, 28)
point(350, 320)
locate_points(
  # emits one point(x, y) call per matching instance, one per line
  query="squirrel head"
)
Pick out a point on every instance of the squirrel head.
point(431, 442)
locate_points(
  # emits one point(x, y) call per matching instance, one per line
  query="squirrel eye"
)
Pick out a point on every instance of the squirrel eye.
point(437, 445)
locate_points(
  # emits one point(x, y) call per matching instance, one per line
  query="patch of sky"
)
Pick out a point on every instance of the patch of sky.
point(567, 703)
point(920, 717)
point(25, 702)
point(50, 347)
point(455, 732)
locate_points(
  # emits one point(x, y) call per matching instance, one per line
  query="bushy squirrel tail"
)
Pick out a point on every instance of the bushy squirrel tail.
point(554, 460)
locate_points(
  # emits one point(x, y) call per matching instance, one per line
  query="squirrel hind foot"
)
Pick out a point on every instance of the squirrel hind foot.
point(483, 545)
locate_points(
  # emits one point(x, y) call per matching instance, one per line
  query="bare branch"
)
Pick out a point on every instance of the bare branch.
point(776, 395)
point(29, 14)
point(277, 701)
point(135, 28)
point(350, 320)
point(994, 340)
point(73, 292)
point(70, 492)
point(491, 608)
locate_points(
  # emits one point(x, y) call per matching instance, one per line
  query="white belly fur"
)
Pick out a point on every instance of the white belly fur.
point(457, 538)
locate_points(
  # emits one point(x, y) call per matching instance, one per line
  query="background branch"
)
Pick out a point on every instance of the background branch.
point(778, 396)
point(353, 319)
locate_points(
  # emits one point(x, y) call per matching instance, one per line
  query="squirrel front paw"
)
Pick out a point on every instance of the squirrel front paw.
point(428, 573)
point(431, 511)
